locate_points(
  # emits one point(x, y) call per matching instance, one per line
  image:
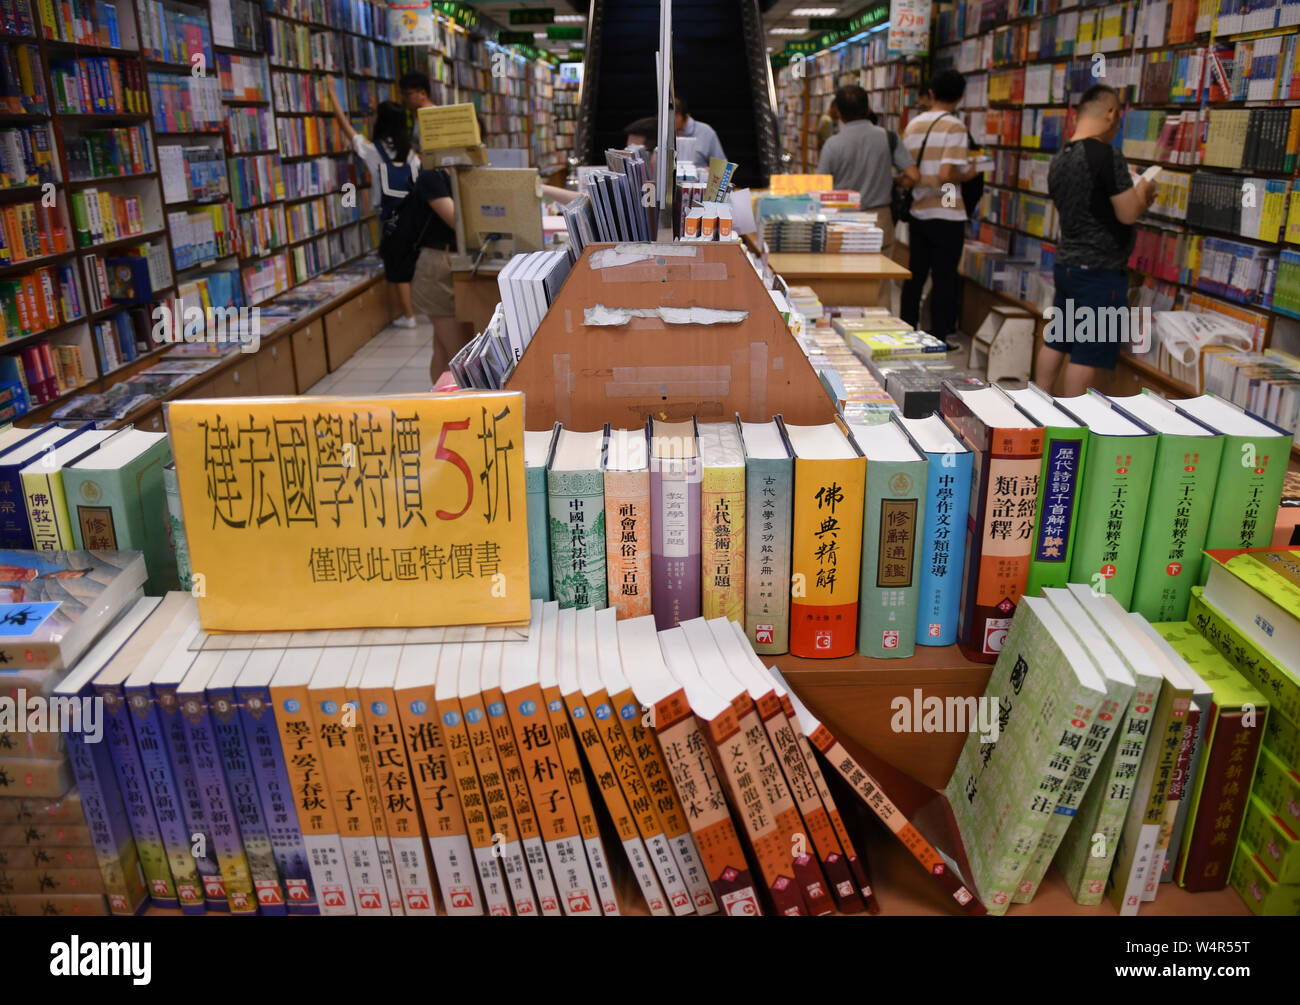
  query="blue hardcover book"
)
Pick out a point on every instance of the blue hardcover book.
point(247, 803)
point(261, 733)
point(537, 451)
point(218, 804)
point(943, 551)
point(15, 528)
point(92, 766)
point(150, 725)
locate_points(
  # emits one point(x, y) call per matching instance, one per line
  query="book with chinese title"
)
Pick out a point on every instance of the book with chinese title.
point(537, 449)
point(575, 488)
point(675, 521)
point(769, 497)
point(723, 520)
point(387, 512)
point(627, 521)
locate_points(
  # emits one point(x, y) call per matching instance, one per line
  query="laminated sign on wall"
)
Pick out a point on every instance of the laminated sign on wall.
point(909, 27)
point(312, 513)
point(412, 23)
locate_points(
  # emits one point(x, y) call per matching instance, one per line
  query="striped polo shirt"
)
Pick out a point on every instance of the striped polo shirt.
point(947, 145)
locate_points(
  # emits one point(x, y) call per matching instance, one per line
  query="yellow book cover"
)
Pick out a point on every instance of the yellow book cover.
point(722, 535)
point(515, 785)
point(434, 783)
point(509, 847)
point(649, 759)
point(111, 232)
point(565, 815)
point(1271, 214)
point(478, 825)
point(627, 522)
point(1293, 211)
point(1084, 37)
point(334, 720)
point(397, 512)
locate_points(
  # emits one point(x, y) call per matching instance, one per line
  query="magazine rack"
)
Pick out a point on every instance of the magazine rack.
point(586, 375)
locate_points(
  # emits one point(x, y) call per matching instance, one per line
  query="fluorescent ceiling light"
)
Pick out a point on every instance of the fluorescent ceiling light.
point(788, 31)
point(570, 18)
point(813, 11)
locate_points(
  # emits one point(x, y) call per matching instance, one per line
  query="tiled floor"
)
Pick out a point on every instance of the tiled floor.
point(396, 361)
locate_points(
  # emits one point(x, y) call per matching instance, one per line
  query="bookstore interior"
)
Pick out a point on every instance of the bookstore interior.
point(963, 580)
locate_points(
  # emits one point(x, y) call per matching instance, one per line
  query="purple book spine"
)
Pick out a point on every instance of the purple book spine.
point(675, 540)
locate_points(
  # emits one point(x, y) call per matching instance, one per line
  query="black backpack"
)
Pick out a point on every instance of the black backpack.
point(404, 230)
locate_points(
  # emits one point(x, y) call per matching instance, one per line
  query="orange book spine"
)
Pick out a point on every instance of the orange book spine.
point(627, 541)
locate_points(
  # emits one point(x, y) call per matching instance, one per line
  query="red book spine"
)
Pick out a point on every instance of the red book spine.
point(1212, 836)
point(52, 389)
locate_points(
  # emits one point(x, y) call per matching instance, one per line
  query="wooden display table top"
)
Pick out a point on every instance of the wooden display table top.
point(797, 266)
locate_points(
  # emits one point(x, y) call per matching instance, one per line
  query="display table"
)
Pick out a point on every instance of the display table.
point(838, 280)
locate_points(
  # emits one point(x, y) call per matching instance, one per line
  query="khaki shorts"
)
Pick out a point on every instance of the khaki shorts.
point(431, 288)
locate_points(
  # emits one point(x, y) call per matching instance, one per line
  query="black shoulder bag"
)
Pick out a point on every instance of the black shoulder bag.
point(900, 201)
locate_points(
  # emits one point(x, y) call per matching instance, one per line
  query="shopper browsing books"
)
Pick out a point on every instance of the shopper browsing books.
point(433, 211)
point(1098, 203)
point(393, 168)
point(859, 157)
point(416, 93)
point(642, 133)
point(707, 145)
point(939, 143)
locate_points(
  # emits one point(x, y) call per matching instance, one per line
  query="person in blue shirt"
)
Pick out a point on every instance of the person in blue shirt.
point(706, 140)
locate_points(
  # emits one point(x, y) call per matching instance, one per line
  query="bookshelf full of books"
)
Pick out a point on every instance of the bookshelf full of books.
point(1210, 96)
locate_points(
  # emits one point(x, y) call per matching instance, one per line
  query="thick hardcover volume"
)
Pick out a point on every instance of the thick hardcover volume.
point(1141, 831)
point(723, 518)
point(1084, 861)
point(826, 549)
point(868, 789)
point(277, 795)
point(1178, 517)
point(434, 781)
point(133, 783)
point(1233, 734)
point(893, 526)
point(577, 511)
point(218, 807)
point(1005, 469)
point(15, 525)
point(539, 538)
point(1004, 792)
point(313, 801)
point(628, 541)
point(1248, 489)
point(167, 798)
point(943, 547)
point(675, 522)
point(769, 516)
point(1056, 515)
point(253, 831)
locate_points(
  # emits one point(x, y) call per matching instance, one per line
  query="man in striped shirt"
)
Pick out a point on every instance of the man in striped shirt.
point(939, 144)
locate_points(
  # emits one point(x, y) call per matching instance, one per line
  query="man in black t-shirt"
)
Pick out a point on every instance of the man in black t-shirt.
point(431, 287)
point(1098, 203)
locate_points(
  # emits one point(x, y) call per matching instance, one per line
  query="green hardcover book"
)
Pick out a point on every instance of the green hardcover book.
point(1120, 685)
point(1188, 455)
point(1065, 453)
point(575, 487)
point(1259, 888)
point(176, 527)
point(1003, 790)
point(1088, 849)
point(1113, 497)
point(1279, 786)
point(769, 518)
point(1259, 591)
point(1253, 466)
point(537, 452)
point(116, 500)
point(893, 523)
point(1278, 844)
point(1278, 682)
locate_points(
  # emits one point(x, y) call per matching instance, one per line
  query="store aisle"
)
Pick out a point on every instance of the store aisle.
point(396, 361)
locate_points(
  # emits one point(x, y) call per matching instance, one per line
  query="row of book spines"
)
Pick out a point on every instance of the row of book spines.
point(99, 84)
point(300, 137)
point(26, 157)
point(22, 80)
point(117, 341)
point(44, 299)
point(82, 21)
point(255, 180)
point(51, 370)
point(101, 216)
point(183, 104)
point(109, 153)
point(172, 36)
point(31, 230)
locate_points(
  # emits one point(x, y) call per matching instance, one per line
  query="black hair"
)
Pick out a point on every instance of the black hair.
point(390, 124)
point(1095, 96)
point(948, 86)
point(853, 103)
point(681, 107)
point(647, 127)
point(415, 81)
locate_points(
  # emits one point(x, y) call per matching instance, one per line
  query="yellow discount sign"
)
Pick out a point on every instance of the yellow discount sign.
point(386, 512)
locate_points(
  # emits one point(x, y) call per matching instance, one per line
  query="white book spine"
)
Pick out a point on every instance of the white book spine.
point(535, 856)
point(452, 856)
point(639, 859)
point(600, 874)
point(521, 892)
point(697, 880)
point(413, 876)
point(364, 873)
point(493, 881)
point(325, 860)
point(391, 886)
point(661, 854)
point(576, 892)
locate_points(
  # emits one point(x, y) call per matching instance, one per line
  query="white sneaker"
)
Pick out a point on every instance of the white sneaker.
point(406, 323)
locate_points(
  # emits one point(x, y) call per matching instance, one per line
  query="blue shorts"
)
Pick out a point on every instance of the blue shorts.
point(1089, 289)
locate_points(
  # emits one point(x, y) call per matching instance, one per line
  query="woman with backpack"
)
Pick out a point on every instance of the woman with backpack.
point(394, 168)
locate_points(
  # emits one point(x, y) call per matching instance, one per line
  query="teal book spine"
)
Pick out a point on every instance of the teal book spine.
point(893, 525)
point(769, 525)
point(1065, 452)
point(576, 503)
point(943, 547)
point(1178, 518)
point(539, 538)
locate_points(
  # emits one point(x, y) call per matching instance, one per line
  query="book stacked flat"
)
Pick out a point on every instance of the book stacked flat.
point(796, 232)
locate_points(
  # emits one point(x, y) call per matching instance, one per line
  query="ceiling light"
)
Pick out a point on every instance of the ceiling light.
point(570, 18)
point(787, 31)
point(813, 11)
